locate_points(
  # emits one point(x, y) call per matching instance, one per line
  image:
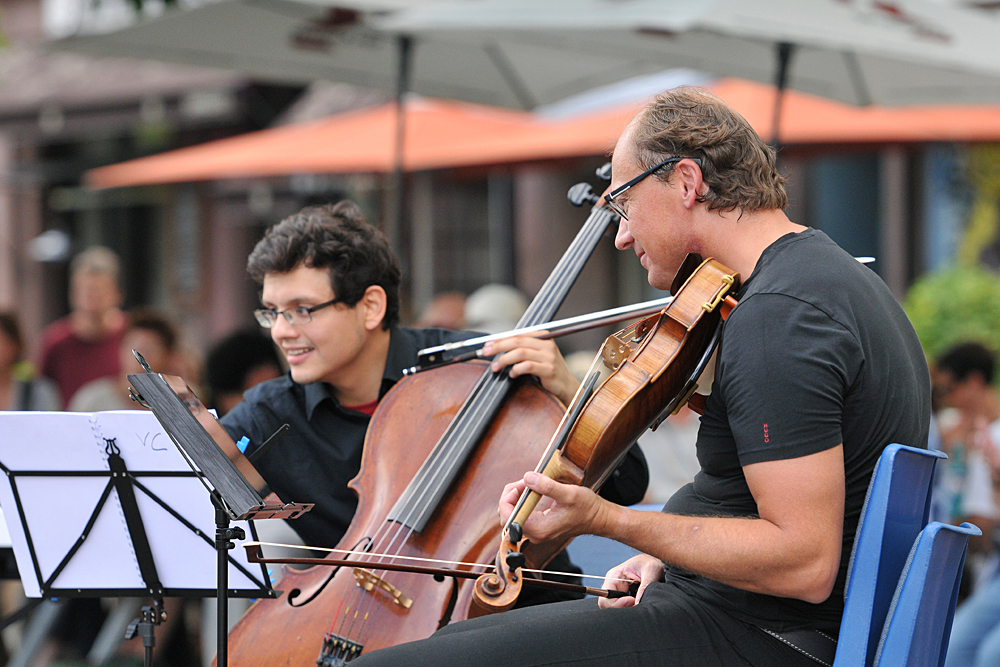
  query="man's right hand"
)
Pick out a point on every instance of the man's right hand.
point(642, 568)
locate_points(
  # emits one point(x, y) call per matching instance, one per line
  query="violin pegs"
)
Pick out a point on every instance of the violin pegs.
point(515, 560)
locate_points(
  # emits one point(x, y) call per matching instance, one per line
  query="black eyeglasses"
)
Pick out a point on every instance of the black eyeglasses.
point(609, 199)
point(295, 316)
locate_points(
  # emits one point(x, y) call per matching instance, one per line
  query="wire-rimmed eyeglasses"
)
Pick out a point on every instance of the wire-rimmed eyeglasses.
point(609, 199)
point(297, 316)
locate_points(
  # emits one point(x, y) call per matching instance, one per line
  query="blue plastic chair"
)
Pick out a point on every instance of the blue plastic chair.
point(919, 624)
point(895, 511)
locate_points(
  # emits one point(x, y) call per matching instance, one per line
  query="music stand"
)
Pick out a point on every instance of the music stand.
point(188, 423)
point(101, 505)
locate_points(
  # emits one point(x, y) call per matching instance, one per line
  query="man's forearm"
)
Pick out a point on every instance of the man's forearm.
point(748, 553)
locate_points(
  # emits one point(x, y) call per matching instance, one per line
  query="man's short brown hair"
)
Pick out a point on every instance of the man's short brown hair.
point(738, 167)
point(334, 237)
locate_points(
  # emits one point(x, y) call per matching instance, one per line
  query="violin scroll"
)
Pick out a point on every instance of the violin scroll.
point(498, 591)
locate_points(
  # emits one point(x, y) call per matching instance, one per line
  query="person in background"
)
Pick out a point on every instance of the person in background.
point(83, 346)
point(155, 338)
point(238, 362)
point(494, 308)
point(445, 311)
point(963, 380)
point(19, 390)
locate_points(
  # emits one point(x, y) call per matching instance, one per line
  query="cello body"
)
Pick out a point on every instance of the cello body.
point(370, 612)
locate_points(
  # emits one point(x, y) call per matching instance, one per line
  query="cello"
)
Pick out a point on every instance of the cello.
point(434, 462)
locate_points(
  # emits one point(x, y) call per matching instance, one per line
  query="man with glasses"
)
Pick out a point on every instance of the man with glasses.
point(818, 370)
point(330, 297)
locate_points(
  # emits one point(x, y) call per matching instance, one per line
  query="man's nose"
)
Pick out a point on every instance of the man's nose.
point(623, 239)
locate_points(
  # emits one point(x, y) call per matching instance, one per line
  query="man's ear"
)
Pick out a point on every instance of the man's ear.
point(373, 304)
point(690, 180)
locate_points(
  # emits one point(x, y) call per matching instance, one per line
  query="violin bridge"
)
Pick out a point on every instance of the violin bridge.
point(368, 580)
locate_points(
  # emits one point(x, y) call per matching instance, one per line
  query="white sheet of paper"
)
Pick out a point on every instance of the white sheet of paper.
point(56, 509)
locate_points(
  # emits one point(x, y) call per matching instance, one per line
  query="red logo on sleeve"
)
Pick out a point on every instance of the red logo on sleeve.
point(766, 438)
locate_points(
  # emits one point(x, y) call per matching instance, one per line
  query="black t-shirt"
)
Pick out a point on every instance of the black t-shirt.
point(817, 353)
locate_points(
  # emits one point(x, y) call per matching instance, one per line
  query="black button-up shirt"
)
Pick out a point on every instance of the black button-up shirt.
point(321, 453)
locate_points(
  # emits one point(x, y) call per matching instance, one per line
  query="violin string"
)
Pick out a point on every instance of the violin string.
point(454, 445)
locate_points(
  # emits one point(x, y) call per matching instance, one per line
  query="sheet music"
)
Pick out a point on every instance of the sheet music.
point(57, 508)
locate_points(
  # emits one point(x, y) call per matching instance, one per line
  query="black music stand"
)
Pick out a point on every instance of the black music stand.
point(232, 495)
point(85, 523)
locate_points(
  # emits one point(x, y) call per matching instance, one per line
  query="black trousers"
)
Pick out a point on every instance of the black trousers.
point(668, 627)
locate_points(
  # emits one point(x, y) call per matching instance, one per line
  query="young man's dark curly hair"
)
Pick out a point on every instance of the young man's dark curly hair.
point(334, 237)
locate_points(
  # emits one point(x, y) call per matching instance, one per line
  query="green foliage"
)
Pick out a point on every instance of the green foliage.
point(955, 305)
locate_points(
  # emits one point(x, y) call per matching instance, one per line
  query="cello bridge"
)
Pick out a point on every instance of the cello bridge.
point(368, 580)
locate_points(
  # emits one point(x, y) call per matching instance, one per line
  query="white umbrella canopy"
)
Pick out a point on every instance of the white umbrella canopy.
point(293, 41)
point(856, 51)
point(525, 53)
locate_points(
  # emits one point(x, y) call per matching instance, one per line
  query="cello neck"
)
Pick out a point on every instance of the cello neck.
point(422, 496)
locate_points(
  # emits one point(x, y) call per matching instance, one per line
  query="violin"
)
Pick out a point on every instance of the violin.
point(656, 363)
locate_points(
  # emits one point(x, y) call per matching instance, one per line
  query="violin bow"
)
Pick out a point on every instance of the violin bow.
point(255, 554)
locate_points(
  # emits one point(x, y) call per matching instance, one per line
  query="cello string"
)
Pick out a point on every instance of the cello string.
point(541, 310)
point(553, 292)
point(557, 284)
point(453, 452)
point(558, 281)
point(383, 534)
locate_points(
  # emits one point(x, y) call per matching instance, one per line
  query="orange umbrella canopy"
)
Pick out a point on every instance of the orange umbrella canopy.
point(441, 134)
point(353, 142)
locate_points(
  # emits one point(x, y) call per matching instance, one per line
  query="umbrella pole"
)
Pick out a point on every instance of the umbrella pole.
point(397, 195)
point(784, 50)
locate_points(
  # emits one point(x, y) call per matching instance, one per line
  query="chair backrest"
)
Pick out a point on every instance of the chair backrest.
point(895, 511)
point(919, 624)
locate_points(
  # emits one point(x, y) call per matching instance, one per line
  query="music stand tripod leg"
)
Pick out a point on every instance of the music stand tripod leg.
point(145, 627)
point(224, 533)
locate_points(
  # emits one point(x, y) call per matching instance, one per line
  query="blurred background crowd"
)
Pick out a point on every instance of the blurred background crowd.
point(104, 250)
